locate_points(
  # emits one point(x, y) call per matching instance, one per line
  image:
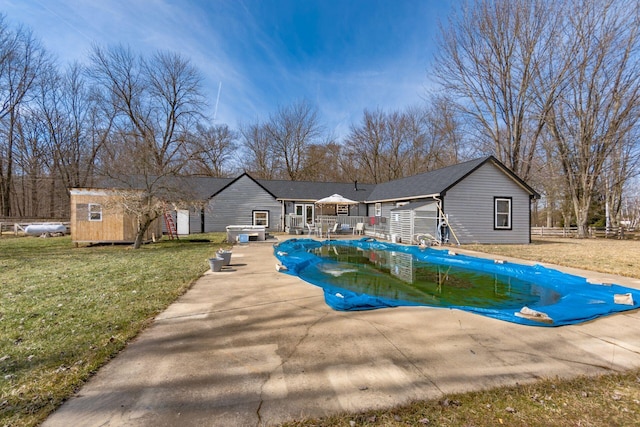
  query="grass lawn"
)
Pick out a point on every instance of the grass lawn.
point(66, 311)
point(621, 257)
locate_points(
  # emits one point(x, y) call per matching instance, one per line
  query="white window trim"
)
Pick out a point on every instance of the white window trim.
point(261, 212)
point(378, 209)
point(94, 208)
point(509, 214)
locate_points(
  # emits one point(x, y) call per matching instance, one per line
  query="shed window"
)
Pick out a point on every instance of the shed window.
point(95, 212)
point(502, 213)
point(261, 218)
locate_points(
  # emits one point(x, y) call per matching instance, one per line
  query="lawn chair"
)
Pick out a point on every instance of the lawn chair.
point(311, 228)
point(359, 228)
point(334, 230)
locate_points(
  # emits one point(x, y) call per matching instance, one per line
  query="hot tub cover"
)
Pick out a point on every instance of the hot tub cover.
point(580, 300)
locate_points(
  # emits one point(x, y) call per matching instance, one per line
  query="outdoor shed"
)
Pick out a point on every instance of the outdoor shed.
point(98, 216)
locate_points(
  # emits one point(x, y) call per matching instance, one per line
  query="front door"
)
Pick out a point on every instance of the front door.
point(182, 220)
point(306, 211)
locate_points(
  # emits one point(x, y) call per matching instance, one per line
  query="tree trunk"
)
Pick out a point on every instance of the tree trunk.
point(581, 208)
point(6, 182)
point(142, 230)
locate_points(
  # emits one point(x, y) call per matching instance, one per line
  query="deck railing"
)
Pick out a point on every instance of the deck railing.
point(325, 222)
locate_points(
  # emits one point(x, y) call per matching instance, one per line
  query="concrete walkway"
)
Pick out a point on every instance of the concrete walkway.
point(250, 347)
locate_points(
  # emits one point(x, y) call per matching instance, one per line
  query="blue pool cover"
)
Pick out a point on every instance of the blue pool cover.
point(575, 299)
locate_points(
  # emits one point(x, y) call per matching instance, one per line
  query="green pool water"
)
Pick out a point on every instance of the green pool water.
point(400, 276)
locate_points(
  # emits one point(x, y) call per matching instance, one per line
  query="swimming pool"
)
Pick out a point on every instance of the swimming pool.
point(368, 274)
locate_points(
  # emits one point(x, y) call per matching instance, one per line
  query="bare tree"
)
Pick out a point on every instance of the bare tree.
point(598, 108)
point(259, 158)
point(212, 149)
point(387, 146)
point(324, 163)
point(620, 167)
point(22, 58)
point(154, 102)
point(291, 131)
point(77, 129)
point(445, 133)
point(488, 61)
point(365, 145)
point(32, 165)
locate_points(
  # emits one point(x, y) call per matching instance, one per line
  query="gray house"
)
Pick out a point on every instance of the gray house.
point(248, 201)
point(479, 201)
point(476, 201)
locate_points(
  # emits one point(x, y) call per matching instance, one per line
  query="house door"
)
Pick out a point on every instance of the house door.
point(182, 221)
point(306, 211)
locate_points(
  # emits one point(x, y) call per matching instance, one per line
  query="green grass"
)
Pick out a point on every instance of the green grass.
point(66, 311)
point(609, 400)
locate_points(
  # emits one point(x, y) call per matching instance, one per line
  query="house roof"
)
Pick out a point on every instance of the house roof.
point(202, 187)
point(312, 191)
point(414, 205)
point(429, 184)
point(436, 182)
point(191, 187)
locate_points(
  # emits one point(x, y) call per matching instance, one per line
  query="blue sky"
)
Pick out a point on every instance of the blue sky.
point(341, 55)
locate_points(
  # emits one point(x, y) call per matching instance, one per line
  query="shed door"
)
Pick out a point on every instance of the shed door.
point(182, 221)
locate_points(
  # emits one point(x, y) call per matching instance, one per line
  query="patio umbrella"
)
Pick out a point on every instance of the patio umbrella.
point(335, 199)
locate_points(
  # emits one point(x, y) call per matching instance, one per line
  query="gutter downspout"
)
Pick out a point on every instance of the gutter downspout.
point(446, 220)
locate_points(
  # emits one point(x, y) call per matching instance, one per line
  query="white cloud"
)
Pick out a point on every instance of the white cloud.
point(234, 43)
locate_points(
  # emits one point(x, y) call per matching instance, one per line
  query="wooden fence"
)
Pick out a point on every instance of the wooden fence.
point(599, 232)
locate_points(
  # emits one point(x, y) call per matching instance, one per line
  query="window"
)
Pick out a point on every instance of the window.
point(261, 218)
point(342, 209)
point(502, 213)
point(378, 209)
point(95, 212)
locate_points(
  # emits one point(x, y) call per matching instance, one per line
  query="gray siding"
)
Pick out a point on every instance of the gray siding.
point(235, 204)
point(469, 206)
point(195, 220)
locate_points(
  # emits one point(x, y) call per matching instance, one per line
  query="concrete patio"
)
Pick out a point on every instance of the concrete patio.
point(250, 346)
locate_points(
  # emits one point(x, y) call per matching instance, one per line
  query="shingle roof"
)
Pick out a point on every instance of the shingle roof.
point(306, 190)
point(192, 187)
point(413, 205)
point(203, 187)
point(436, 182)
